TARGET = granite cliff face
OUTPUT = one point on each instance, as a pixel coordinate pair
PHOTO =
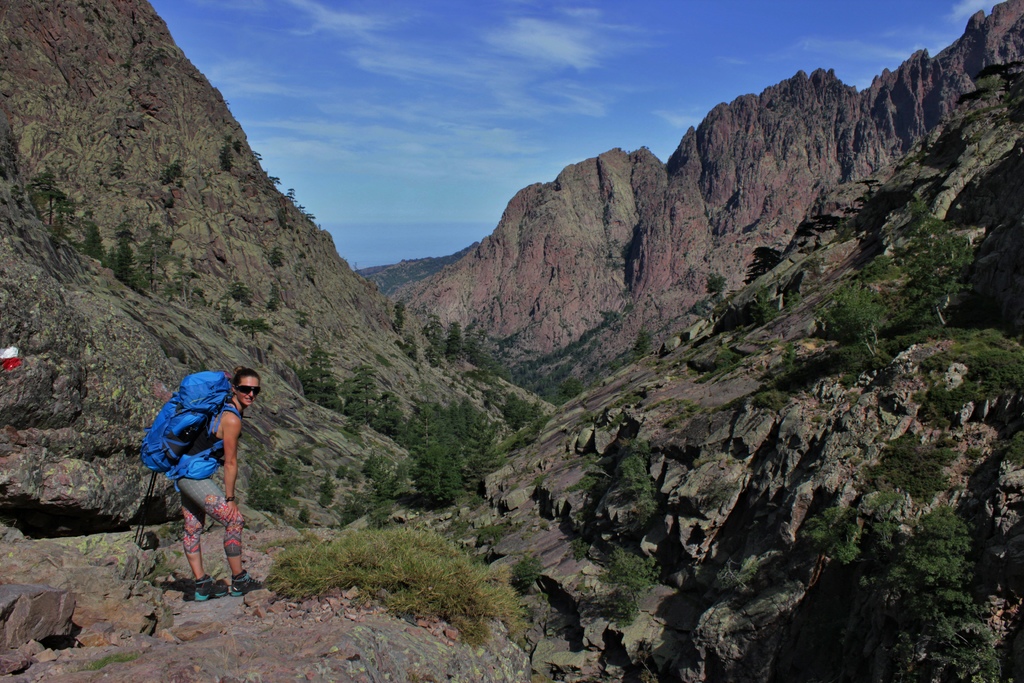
(721, 462)
(99, 95)
(623, 234)
(535, 277)
(107, 113)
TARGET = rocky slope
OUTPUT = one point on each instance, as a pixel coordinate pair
(624, 234)
(123, 628)
(759, 450)
(111, 124)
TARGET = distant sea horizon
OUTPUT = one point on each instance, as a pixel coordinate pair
(366, 245)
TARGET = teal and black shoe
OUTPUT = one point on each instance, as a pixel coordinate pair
(207, 588)
(243, 583)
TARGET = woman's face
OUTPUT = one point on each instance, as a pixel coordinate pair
(246, 391)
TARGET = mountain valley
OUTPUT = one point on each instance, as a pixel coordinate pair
(811, 469)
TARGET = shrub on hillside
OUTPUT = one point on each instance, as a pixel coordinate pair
(525, 573)
(835, 534)
(637, 485)
(1013, 453)
(918, 469)
(854, 316)
(630, 576)
(422, 573)
(931, 580)
(995, 368)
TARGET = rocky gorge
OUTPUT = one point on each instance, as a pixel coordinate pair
(819, 478)
(755, 450)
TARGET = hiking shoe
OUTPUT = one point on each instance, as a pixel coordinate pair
(243, 583)
(207, 588)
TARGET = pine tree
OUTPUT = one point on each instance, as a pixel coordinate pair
(153, 256)
(318, 383)
(240, 292)
(92, 244)
(274, 300)
(433, 331)
(765, 258)
(252, 326)
(121, 258)
(642, 345)
(183, 283)
(225, 157)
(399, 316)
(359, 393)
(45, 194)
(387, 418)
(453, 343)
(437, 475)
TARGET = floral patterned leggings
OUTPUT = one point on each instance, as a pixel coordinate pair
(200, 497)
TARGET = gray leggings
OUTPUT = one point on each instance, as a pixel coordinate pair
(200, 497)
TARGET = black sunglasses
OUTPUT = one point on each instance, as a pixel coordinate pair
(255, 391)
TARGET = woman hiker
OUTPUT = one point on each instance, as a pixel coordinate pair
(200, 497)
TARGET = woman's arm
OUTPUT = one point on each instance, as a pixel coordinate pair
(231, 428)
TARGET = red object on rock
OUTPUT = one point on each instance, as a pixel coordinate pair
(11, 363)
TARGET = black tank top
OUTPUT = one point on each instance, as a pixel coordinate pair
(208, 437)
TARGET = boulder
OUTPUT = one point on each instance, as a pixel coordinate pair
(517, 498)
(603, 438)
(14, 661)
(585, 440)
(33, 612)
(102, 571)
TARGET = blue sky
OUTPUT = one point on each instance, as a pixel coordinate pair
(406, 126)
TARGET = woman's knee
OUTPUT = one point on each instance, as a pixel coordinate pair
(193, 532)
(236, 521)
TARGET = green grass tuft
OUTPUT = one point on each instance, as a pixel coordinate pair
(422, 573)
(116, 658)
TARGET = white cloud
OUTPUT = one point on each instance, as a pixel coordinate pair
(406, 62)
(557, 43)
(325, 19)
(242, 5)
(380, 144)
(516, 88)
(964, 9)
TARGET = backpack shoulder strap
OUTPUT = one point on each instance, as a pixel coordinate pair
(229, 407)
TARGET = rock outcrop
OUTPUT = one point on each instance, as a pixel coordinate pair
(742, 465)
(624, 235)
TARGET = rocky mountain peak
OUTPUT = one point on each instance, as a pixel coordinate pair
(745, 177)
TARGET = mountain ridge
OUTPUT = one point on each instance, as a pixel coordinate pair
(395, 277)
(746, 177)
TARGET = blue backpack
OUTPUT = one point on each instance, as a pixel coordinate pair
(194, 411)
